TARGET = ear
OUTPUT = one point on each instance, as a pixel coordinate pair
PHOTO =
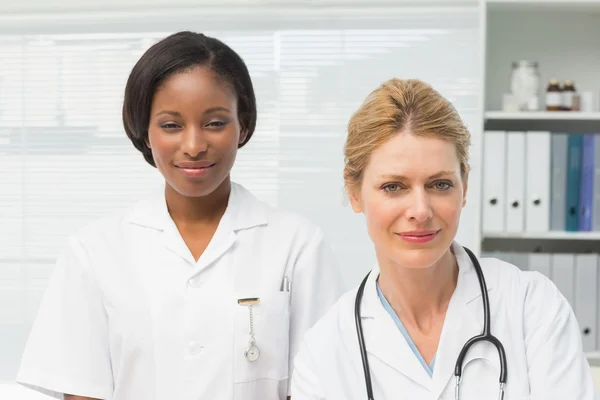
(243, 136)
(147, 141)
(355, 200)
(465, 188)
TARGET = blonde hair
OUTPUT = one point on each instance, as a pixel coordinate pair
(399, 105)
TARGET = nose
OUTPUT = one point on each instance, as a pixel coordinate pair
(193, 142)
(419, 209)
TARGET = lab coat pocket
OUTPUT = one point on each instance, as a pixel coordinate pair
(271, 321)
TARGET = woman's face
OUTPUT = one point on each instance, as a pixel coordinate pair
(194, 131)
(412, 195)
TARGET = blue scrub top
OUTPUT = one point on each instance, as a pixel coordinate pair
(390, 310)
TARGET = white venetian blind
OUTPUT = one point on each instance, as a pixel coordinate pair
(65, 160)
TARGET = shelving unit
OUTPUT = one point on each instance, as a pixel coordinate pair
(552, 235)
(526, 30)
(593, 358)
(555, 5)
(557, 121)
(542, 116)
(545, 242)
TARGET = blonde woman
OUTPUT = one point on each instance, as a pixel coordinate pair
(431, 321)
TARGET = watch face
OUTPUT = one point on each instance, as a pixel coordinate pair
(252, 353)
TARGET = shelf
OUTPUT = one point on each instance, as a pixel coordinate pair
(552, 235)
(554, 121)
(552, 242)
(593, 358)
(550, 5)
(544, 115)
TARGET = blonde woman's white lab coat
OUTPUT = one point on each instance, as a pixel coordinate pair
(130, 315)
(528, 314)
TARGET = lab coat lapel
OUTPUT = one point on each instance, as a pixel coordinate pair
(243, 211)
(384, 340)
(153, 213)
(460, 324)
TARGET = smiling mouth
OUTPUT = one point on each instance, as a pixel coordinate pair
(195, 171)
(418, 237)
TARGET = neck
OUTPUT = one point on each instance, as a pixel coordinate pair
(198, 210)
(419, 295)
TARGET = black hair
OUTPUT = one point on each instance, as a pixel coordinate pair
(176, 53)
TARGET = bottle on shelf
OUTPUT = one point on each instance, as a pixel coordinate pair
(553, 96)
(568, 94)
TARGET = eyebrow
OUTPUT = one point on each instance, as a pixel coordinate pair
(402, 177)
(178, 114)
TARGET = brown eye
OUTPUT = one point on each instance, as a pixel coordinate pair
(169, 126)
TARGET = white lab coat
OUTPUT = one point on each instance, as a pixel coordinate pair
(130, 315)
(532, 319)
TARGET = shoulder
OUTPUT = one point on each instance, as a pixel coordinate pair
(511, 279)
(285, 223)
(533, 293)
(113, 230)
(323, 337)
(110, 224)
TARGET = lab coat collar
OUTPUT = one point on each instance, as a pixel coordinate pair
(467, 283)
(243, 211)
(385, 341)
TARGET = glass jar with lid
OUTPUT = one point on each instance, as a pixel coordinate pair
(525, 84)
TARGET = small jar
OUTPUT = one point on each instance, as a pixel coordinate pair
(568, 92)
(525, 84)
(553, 96)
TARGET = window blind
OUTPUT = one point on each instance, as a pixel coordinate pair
(65, 159)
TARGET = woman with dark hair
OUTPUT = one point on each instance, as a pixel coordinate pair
(199, 292)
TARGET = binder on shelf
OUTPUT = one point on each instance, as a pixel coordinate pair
(586, 279)
(586, 184)
(563, 275)
(515, 181)
(596, 188)
(494, 181)
(541, 262)
(558, 202)
(537, 182)
(573, 178)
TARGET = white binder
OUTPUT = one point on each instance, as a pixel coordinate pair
(515, 181)
(563, 275)
(541, 262)
(586, 279)
(494, 178)
(537, 182)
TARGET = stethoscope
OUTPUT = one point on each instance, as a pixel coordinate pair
(486, 335)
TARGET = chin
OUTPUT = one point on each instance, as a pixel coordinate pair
(199, 189)
(418, 258)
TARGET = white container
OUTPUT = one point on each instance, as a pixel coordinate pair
(588, 102)
(525, 84)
